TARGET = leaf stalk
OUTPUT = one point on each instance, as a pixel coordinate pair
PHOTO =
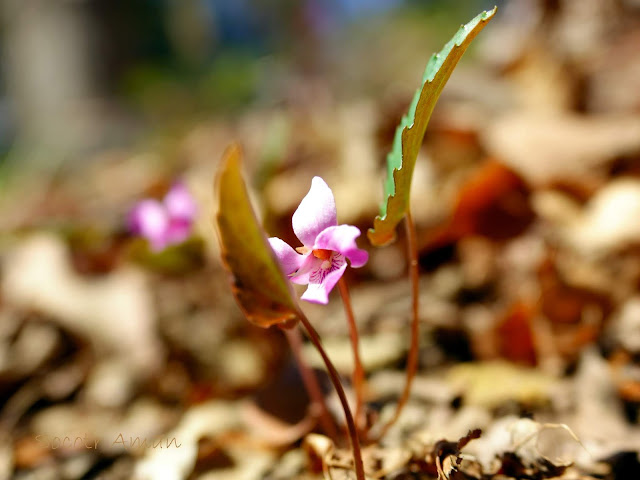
(358, 377)
(318, 405)
(335, 379)
(412, 360)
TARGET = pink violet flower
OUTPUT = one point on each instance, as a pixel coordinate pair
(167, 222)
(322, 259)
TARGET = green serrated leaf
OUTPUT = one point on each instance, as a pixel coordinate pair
(409, 134)
(260, 288)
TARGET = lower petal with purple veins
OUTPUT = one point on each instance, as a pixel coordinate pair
(323, 279)
(319, 292)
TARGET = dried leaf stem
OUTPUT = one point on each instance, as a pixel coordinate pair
(358, 371)
(335, 379)
(318, 404)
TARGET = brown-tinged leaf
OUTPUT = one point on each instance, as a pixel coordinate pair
(259, 286)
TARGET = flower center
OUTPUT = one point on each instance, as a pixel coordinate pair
(325, 256)
(322, 254)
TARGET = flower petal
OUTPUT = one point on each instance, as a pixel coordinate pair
(149, 219)
(316, 212)
(342, 238)
(178, 231)
(179, 202)
(319, 292)
(288, 258)
(309, 265)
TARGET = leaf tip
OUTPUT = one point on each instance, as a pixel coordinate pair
(230, 161)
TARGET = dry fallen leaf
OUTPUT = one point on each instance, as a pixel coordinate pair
(545, 148)
(515, 334)
(477, 382)
(114, 312)
(493, 203)
(609, 221)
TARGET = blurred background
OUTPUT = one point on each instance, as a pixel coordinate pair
(79, 76)
(526, 197)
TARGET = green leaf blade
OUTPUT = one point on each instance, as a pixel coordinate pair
(260, 288)
(410, 133)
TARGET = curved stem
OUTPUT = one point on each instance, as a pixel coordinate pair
(358, 370)
(412, 360)
(335, 379)
(310, 380)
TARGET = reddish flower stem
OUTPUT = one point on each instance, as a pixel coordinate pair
(310, 380)
(358, 371)
(335, 379)
(412, 360)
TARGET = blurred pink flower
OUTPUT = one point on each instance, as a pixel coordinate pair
(164, 223)
(321, 261)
